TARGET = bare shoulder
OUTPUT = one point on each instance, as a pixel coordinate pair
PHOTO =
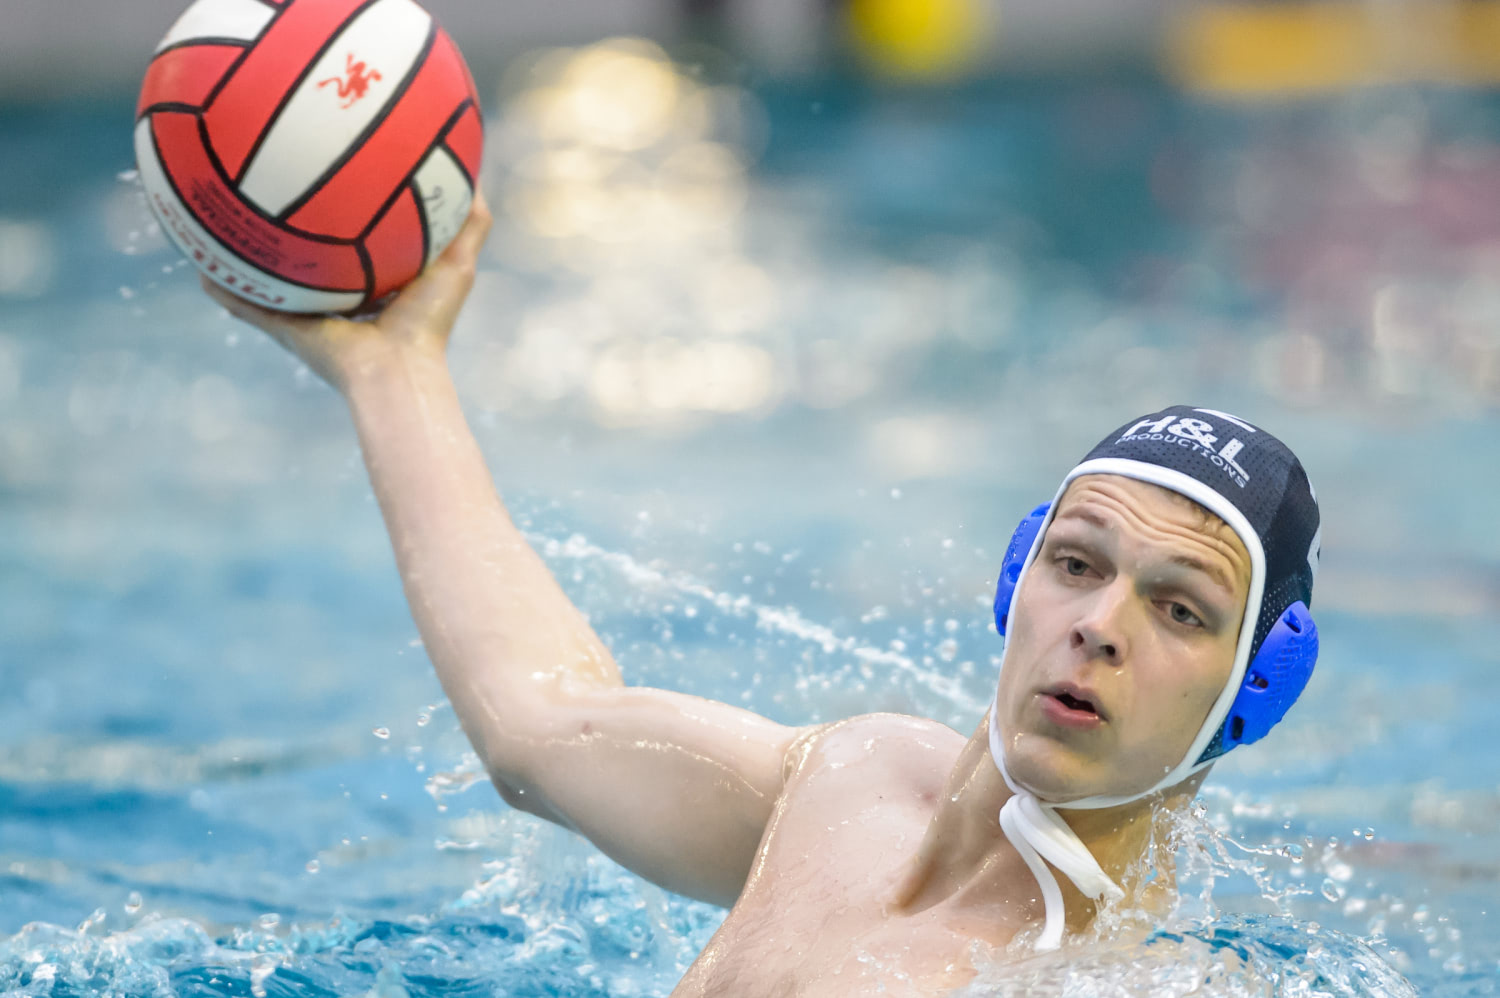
(899, 742)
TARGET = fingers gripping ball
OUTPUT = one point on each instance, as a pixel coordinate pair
(308, 155)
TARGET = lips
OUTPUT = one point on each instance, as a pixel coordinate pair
(1076, 701)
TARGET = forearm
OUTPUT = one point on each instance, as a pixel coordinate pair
(500, 632)
(677, 787)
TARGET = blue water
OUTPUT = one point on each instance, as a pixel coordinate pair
(225, 767)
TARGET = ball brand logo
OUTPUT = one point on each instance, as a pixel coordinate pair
(246, 287)
(208, 261)
(355, 82)
(1198, 435)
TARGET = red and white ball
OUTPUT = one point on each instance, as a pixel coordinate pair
(309, 155)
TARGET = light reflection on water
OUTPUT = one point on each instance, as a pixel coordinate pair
(771, 424)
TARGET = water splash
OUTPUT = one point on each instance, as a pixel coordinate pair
(1197, 949)
(784, 620)
(524, 931)
(446, 783)
(1238, 956)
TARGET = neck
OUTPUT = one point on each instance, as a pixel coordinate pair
(966, 859)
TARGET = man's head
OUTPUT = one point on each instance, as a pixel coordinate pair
(1122, 639)
(1159, 617)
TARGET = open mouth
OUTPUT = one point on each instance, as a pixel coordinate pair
(1072, 705)
(1071, 702)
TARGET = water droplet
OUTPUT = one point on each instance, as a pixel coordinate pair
(382, 733)
(127, 292)
(261, 967)
(895, 493)
(313, 866)
(97, 918)
(423, 719)
(133, 902)
(1332, 891)
(128, 176)
(269, 920)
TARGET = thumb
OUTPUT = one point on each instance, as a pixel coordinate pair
(432, 301)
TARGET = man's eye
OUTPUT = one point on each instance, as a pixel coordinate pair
(1075, 566)
(1182, 615)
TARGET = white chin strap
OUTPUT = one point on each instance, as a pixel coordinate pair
(1038, 833)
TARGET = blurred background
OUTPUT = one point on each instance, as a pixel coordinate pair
(793, 308)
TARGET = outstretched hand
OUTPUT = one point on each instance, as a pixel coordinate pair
(418, 320)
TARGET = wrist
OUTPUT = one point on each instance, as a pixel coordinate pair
(388, 368)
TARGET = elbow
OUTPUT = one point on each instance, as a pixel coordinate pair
(527, 799)
(513, 795)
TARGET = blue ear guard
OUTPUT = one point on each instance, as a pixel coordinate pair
(1275, 678)
(1015, 559)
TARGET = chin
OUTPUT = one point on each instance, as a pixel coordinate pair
(1051, 772)
(1058, 774)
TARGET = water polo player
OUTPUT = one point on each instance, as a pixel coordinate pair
(1155, 615)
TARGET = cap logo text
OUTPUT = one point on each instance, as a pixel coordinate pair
(1197, 435)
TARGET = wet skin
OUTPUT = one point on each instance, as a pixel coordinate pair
(857, 856)
(1133, 605)
(883, 864)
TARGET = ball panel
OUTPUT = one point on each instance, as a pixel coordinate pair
(321, 264)
(346, 202)
(446, 197)
(365, 72)
(186, 75)
(241, 111)
(210, 255)
(243, 20)
(465, 140)
(396, 244)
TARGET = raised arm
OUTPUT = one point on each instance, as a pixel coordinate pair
(675, 787)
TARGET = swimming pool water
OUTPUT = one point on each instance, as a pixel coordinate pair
(225, 767)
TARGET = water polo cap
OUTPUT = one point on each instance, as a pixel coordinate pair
(1252, 482)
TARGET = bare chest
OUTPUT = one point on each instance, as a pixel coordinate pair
(831, 945)
(814, 917)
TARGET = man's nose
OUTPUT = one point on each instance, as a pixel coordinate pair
(1100, 631)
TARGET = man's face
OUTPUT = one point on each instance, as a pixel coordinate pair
(1122, 636)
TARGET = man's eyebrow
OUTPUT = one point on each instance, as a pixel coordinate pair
(1214, 572)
